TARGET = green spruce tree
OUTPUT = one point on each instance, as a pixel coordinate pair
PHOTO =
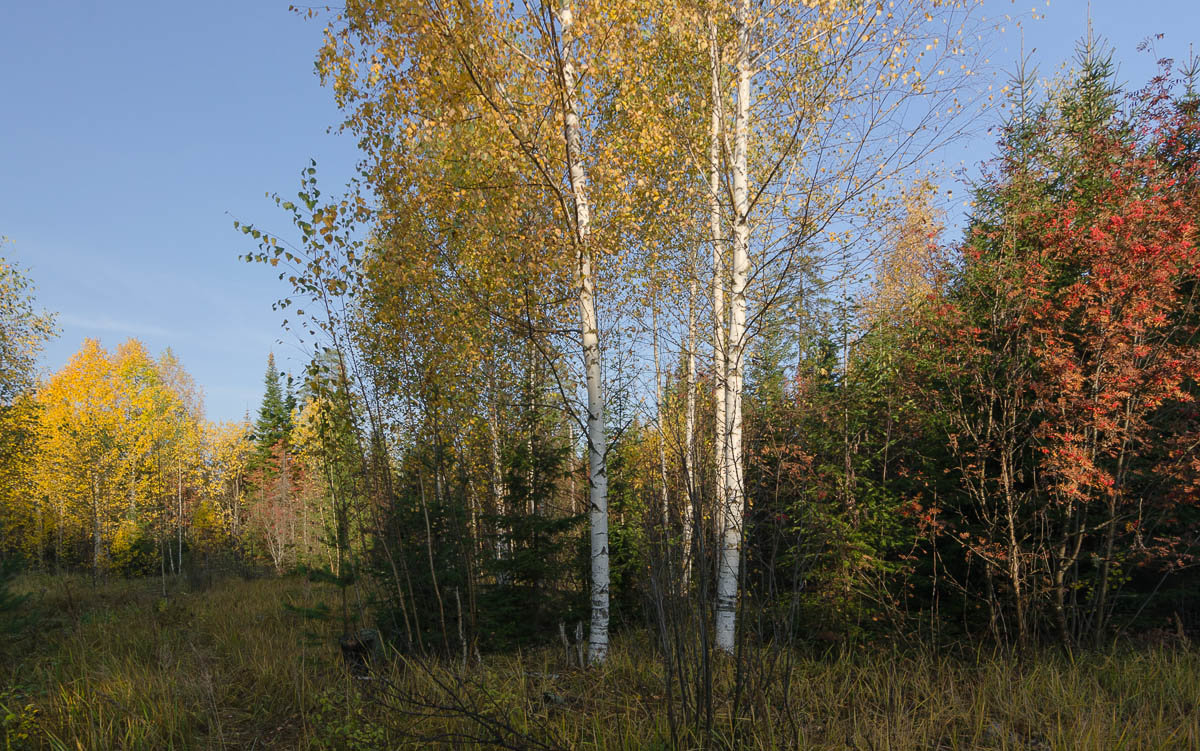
(274, 416)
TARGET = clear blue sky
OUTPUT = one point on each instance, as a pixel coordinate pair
(132, 133)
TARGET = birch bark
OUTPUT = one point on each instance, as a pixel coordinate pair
(730, 554)
(498, 490)
(689, 433)
(586, 282)
(664, 496)
(720, 362)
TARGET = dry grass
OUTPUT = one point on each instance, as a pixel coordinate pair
(119, 668)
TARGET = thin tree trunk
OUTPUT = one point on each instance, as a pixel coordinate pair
(664, 496)
(41, 536)
(1101, 613)
(727, 573)
(95, 532)
(58, 540)
(1060, 597)
(429, 550)
(848, 501)
(179, 513)
(497, 485)
(237, 509)
(597, 448)
(1106, 559)
(1015, 576)
(689, 433)
(531, 406)
(720, 360)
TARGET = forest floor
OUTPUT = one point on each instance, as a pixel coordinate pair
(229, 667)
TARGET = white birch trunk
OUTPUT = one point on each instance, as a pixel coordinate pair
(689, 432)
(720, 362)
(727, 570)
(497, 485)
(664, 497)
(596, 442)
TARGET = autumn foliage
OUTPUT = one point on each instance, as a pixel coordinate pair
(997, 437)
(1065, 358)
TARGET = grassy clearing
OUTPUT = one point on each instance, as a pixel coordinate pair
(120, 668)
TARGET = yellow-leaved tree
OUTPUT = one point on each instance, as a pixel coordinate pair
(120, 452)
(230, 450)
(23, 331)
(80, 451)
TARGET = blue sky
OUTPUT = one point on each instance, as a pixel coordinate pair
(133, 133)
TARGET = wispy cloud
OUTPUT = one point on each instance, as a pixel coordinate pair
(112, 325)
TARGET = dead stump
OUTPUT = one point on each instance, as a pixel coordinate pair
(360, 650)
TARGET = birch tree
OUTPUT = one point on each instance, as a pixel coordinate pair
(456, 100)
(572, 136)
(835, 105)
(720, 363)
(590, 340)
(734, 492)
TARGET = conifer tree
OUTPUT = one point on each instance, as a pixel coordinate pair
(274, 416)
